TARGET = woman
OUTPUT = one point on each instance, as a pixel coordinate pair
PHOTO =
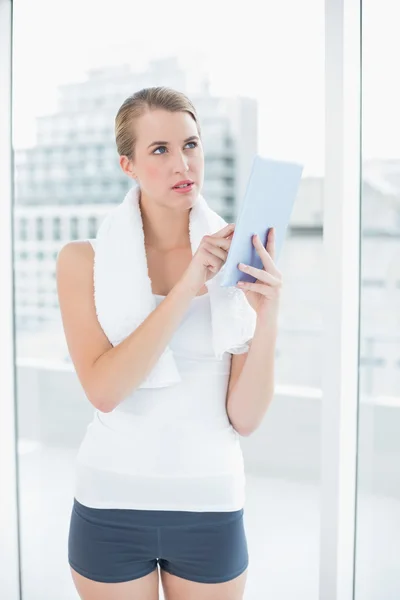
(160, 472)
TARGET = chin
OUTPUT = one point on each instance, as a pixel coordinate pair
(187, 200)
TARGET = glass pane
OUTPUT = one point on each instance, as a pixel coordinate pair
(257, 80)
(378, 520)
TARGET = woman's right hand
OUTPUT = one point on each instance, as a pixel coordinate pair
(209, 258)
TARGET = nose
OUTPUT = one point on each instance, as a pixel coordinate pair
(181, 163)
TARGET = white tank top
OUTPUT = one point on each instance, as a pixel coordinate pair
(169, 448)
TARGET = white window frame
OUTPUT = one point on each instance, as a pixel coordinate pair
(342, 206)
(10, 584)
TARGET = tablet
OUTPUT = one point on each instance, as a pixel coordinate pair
(270, 194)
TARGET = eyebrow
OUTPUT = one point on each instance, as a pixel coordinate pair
(189, 139)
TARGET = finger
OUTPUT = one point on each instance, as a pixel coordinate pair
(261, 288)
(227, 230)
(260, 274)
(215, 263)
(216, 250)
(222, 242)
(271, 242)
(266, 258)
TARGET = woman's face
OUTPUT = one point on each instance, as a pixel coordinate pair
(168, 151)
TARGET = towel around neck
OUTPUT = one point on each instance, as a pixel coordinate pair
(123, 290)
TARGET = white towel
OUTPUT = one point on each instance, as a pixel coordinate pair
(123, 291)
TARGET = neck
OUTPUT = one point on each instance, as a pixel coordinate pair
(164, 228)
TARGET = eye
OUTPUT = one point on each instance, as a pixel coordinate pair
(159, 148)
(194, 145)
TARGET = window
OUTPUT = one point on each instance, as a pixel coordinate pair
(39, 228)
(378, 491)
(275, 107)
(57, 228)
(92, 227)
(23, 228)
(74, 228)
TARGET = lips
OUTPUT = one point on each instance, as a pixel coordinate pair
(183, 184)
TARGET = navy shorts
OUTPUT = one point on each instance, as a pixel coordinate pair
(115, 545)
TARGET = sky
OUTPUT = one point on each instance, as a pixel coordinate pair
(272, 51)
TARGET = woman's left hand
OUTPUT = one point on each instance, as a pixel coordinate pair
(263, 295)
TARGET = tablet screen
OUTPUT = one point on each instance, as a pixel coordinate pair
(270, 194)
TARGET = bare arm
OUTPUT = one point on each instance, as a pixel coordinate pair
(251, 385)
(107, 373)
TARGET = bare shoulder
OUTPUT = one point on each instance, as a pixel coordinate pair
(74, 275)
(79, 250)
(75, 262)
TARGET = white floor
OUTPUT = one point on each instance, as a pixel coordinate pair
(282, 525)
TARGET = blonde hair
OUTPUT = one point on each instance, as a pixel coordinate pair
(137, 104)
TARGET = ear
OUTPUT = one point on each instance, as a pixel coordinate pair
(127, 167)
